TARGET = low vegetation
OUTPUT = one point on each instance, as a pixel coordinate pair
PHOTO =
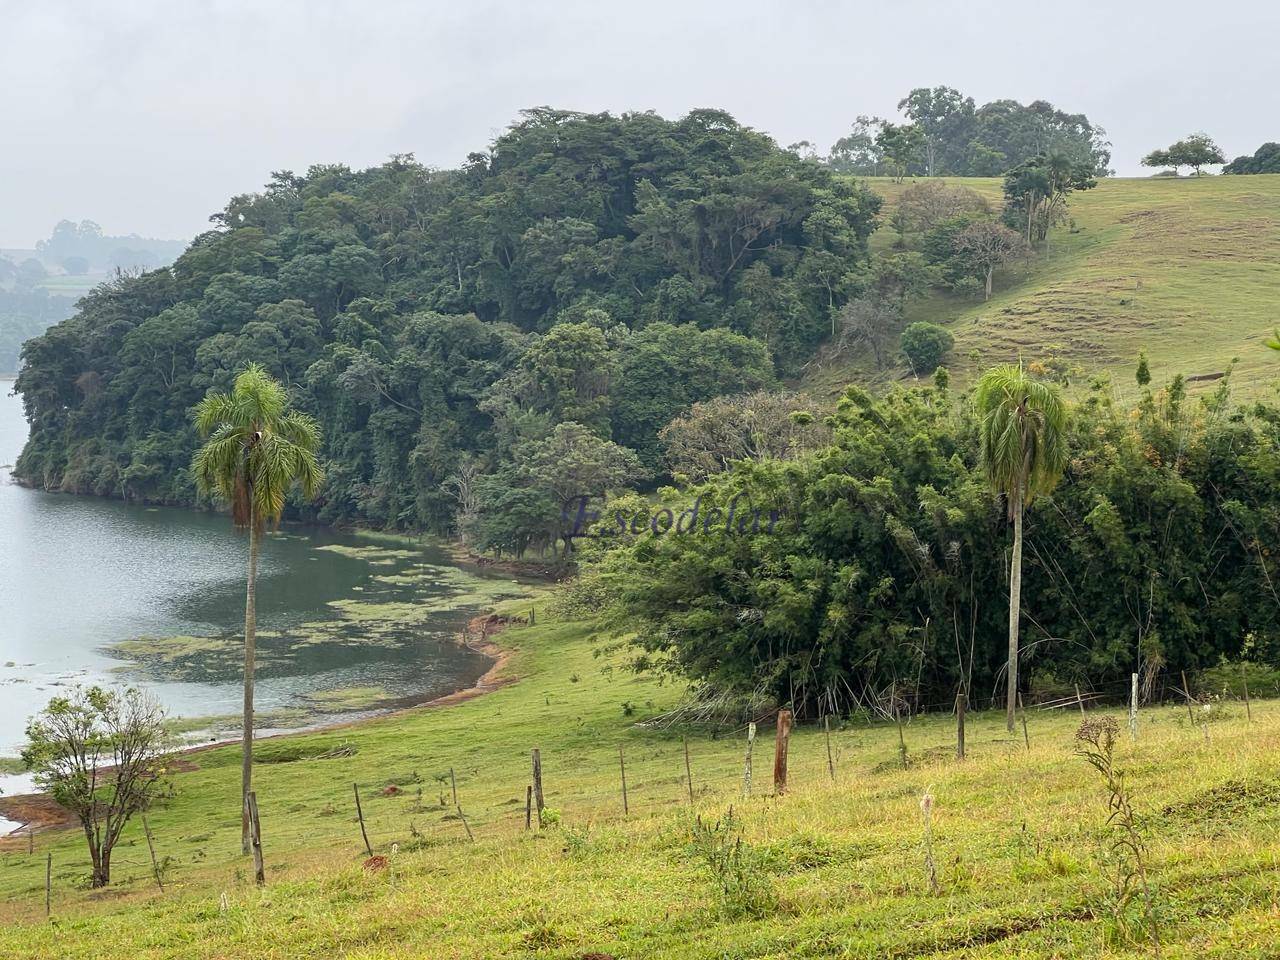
(836, 867)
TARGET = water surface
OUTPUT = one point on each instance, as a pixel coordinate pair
(95, 591)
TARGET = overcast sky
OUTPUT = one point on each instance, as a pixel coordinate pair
(146, 116)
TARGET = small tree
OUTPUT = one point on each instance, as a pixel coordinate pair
(987, 245)
(1195, 151)
(99, 753)
(900, 144)
(925, 345)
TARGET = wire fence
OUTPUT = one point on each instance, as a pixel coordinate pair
(651, 771)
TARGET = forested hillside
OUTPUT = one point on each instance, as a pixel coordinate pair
(455, 332)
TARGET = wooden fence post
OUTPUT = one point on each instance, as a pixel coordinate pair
(528, 806)
(1079, 700)
(746, 766)
(360, 816)
(255, 840)
(960, 706)
(453, 783)
(48, 883)
(688, 772)
(1244, 678)
(155, 865)
(831, 763)
(1133, 706)
(1186, 693)
(31, 839)
(537, 783)
(781, 741)
(897, 718)
(622, 766)
(1023, 710)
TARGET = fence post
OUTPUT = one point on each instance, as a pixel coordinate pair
(622, 766)
(528, 806)
(453, 783)
(155, 866)
(960, 705)
(465, 825)
(897, 718)
(780, 744)
(1023, 710)
(1133, 706)
(1244, 678)
(48, 883)
(1079, 700)
(746, 767)
(688, 773)
(1186, 693)
(360, 816)
(831, 763)
(537, 783)
(255, 839)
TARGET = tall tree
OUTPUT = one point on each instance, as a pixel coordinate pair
(256, 451)
(1024, 453)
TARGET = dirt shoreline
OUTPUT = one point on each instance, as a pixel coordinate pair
(38, 812)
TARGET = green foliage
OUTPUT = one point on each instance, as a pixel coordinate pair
(256, 449)
(886, 543)
(1023, 434)
(602, 270)
(926, 345)
(1195, 151)
(1266, 159)
(953, 136)
(100, 754)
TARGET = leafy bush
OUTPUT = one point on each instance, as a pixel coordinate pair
(926, 345)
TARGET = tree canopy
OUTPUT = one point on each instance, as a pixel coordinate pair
(607, 271)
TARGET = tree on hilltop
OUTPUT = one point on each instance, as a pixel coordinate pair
(1195, 151)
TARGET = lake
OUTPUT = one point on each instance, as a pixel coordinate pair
(100, 591)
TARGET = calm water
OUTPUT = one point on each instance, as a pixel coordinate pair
(79, 575)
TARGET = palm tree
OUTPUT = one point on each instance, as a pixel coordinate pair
(256, 450)
(1024, 453)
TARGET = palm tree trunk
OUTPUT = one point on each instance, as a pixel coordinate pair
(250, 650)
(1015, 611)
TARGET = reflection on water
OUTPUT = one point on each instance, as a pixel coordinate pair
(346, 624)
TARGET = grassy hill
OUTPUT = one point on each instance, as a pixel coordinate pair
(835, 868)
(1183, 268)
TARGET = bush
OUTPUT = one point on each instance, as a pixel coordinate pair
(926, 344)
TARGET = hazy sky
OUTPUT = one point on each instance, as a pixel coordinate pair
(147, 116)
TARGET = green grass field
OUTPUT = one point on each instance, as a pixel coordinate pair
(835, 868)
(1183, 268)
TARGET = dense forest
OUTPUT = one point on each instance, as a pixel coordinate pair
(889, 566)
(589, 277)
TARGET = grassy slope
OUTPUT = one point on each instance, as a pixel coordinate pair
(1183, 268)
(1014, 840)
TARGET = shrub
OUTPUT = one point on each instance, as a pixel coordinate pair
(926, 345)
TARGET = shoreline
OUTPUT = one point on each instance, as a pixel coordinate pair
(38, 812)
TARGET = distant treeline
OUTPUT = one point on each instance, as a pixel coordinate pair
(948, 134)
(82, 247)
